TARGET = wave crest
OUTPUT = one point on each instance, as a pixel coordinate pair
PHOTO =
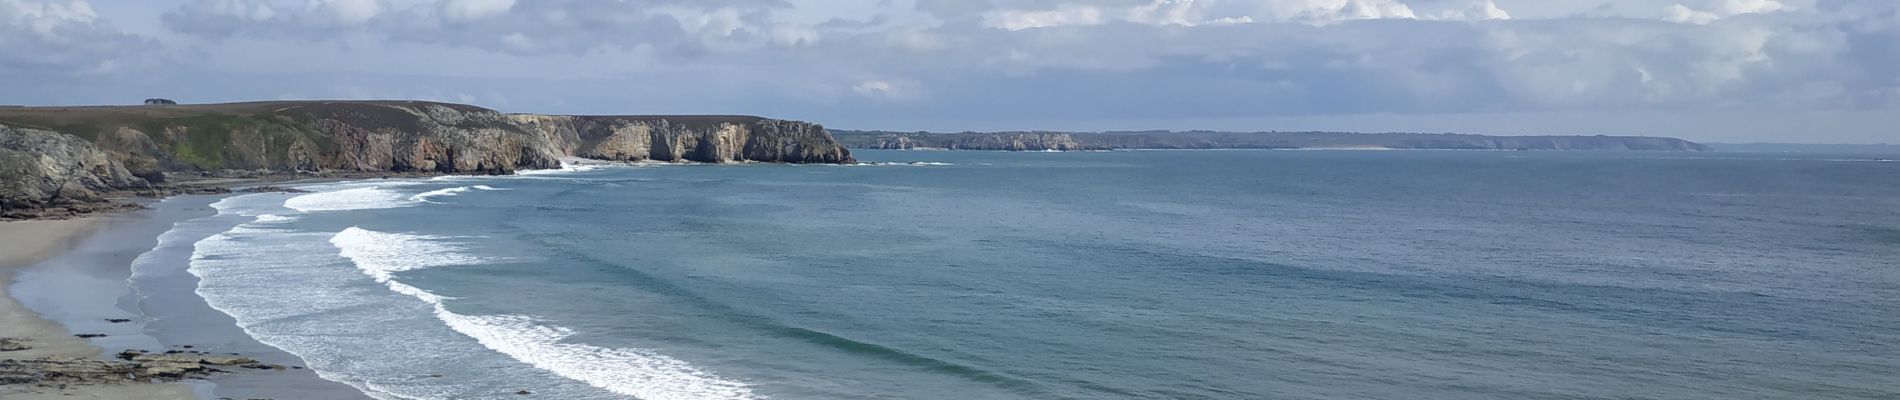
(641, 373)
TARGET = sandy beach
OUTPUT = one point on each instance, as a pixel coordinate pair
(125, 278)
(29, 242)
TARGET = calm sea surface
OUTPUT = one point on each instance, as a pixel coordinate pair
(1122, 275)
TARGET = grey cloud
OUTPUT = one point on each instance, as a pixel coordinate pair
(64, 39)
(519, 27)
(944, 62)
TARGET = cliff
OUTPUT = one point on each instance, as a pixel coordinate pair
(715, 139)
(41, 168)
(1040, 141)
(48, 152)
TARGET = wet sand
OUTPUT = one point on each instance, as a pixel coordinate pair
(126, 277)
(24, 243)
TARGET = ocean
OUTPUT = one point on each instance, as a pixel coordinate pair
(1101, 275)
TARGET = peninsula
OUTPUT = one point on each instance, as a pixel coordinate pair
(69, 158)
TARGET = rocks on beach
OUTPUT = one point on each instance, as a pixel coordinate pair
(132, 366)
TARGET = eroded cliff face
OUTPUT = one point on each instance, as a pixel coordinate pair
(39, 168)
(426, 137)
(101, 148)
(714, 139)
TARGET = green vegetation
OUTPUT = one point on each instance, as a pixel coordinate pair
(210, 141)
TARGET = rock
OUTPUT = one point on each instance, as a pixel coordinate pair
(273, 189)
(715, 139)
(13, 345)
(103, 149)
(41, 168)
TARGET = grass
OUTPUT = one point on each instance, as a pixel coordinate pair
(209, 138)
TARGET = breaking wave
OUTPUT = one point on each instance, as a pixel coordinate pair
(634, 372)
(363, 198)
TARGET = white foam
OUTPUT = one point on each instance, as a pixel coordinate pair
(901, 164)
(426, 197)
(566, 167)
(362, 198)
(641, 373)
(274, 219)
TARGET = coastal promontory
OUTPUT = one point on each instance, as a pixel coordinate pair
(52, 156)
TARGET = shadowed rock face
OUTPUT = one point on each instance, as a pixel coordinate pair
(75, 152)
(38, 168)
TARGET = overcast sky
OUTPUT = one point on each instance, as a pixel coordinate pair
(1710, 70)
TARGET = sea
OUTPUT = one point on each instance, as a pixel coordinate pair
(1088, 275)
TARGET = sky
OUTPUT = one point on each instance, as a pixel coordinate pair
(1800, 71)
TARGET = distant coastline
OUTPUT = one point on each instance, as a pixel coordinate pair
(1209, 140)
(1808, 148)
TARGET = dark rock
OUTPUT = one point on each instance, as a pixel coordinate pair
(40, 169)
(47, 174)
(273, 189)
(12, 345)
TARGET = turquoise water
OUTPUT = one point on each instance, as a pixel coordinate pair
(1121, 275)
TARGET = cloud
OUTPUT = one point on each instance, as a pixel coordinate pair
(1720, 9)
(1014, 60)
(63, 39)
(537, 27)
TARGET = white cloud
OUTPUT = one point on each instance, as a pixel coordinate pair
(1003, 59)
(889, 90)
(466, 10)
(1719, 9)
(63, 38)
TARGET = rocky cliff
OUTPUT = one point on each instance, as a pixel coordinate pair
(714, 139)
(1041, 141)
(42, 168)
(49, 151)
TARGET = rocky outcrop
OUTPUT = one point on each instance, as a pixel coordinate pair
(39, 168)
(73, 153)
(133, 366)
(715, 139)
(430, 137)
(1042, 141)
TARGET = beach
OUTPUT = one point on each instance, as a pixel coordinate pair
(27, 243)
(123, 280)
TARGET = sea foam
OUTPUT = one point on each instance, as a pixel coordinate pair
(634, 372)
(427, 197)
(362, 198)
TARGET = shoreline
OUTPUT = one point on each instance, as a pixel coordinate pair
(28, 243)
(124, 276)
